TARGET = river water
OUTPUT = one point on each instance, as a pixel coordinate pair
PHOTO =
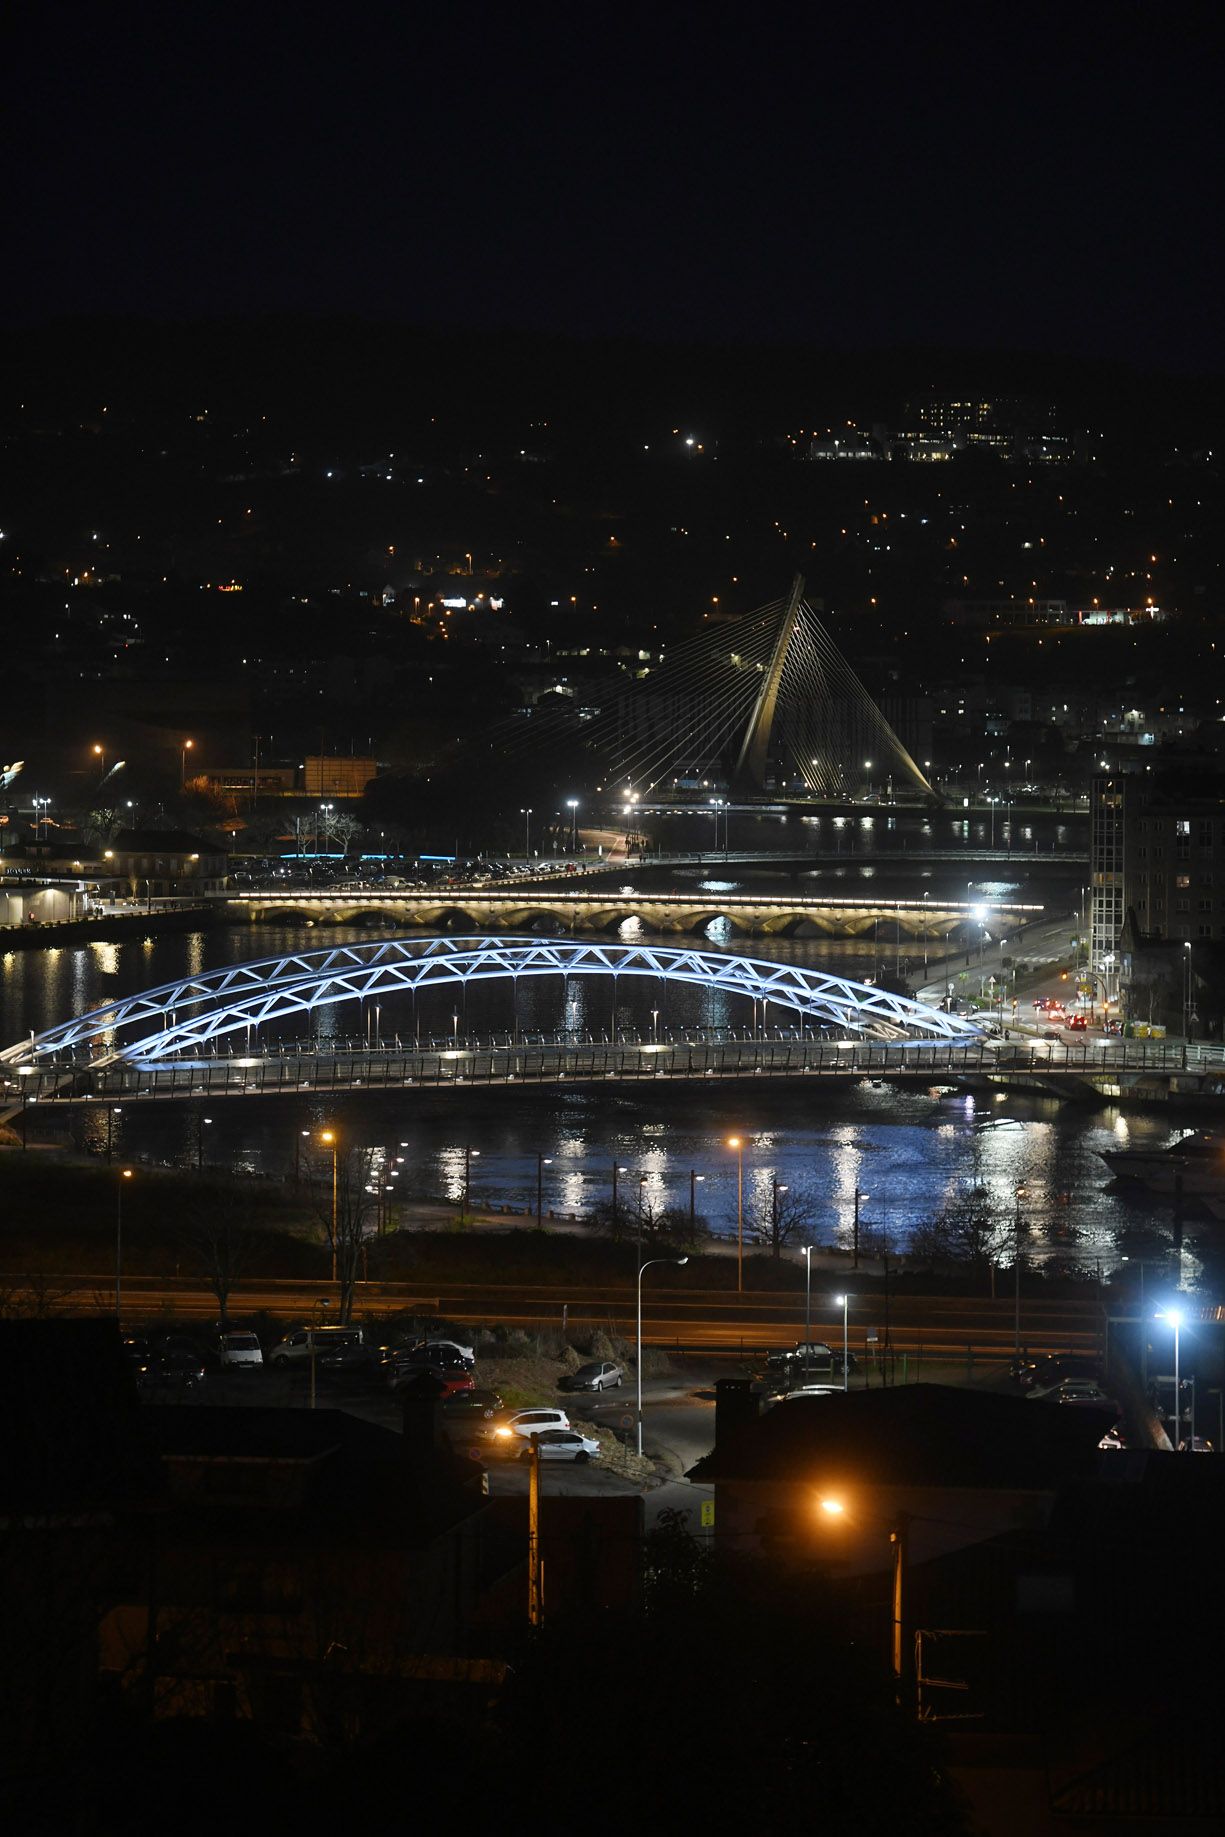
(912, 1152)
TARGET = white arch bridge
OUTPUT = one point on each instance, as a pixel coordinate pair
(199, 1014)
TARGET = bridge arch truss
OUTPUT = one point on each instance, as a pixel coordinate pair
(189, 1016)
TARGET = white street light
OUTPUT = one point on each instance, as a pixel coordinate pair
(1174, 1317)
(844, 1302)
(677, 1263)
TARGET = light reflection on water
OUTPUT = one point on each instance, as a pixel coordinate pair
(914, 1152)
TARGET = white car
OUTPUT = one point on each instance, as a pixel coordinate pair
(562, 1445)
(522, 1425)
(466, 1353)
(239, 1351)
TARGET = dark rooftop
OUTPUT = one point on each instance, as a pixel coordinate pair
(915, 1435)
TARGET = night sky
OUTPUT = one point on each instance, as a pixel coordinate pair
(1033, 179)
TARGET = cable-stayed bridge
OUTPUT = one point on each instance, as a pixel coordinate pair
(763, 702)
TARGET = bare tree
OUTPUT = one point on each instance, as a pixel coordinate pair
(343, 1200)
(777, 1217)
(219, 1237)
(973, 1233)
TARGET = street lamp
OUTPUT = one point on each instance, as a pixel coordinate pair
(677, 1263)
(469, 1155)
(808, 1250)
(1174, 1317)
(526, 814)
(694, 1177)
(542, 1161)
(328, 1138)
(100, 756)
(835, 1509)
(205, 1123)
(737, 1142)
(1021, 1193)
(572, 807)
(867, 766)
(855, 1227)
(1186, 989)
(776, 1187)
(125, 1175)
(844, 1302)
(183, 752)
(615, 1171)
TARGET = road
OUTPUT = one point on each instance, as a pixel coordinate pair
(713, 1320)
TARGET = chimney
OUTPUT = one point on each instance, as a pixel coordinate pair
(735, 1404)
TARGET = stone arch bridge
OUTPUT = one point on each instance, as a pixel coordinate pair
(463, 909)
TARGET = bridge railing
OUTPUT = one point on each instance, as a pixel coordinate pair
(371, 1069)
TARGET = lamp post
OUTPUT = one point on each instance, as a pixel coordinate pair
(205, 1123)
(328, 1138)
(844, 1302)
(1186, 989)
(737, 1142)
(100, 756)
(112, 1111)
(694, 1177)
(183, 752)
(677, 1263)
(125, 1175)
(776, 1187)
(642, 1181)
(855, 1239)
(1020, 1194)
(615, 1171)
(899, 1537)
(542, 1161)
(526, 814)
(808, 1249)
(1174, 1317)
(572, 807)
(303, 1135)
(469, 1154)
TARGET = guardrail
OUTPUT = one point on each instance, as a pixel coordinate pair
(290, 1071)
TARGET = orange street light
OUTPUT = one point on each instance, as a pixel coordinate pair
(737, 1142)
(328, 1137)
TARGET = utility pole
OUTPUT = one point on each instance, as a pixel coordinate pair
(899, 1538)
(535, 1567)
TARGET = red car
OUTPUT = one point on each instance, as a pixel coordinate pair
(1078, 1023)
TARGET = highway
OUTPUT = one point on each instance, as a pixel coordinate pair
(711, 1320)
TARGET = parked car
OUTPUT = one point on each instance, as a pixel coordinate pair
(1113, 1438)
(441, 1347)
(137, 1352)
(472, 1402)
(239, 1351)
(398, 1374)
(334, 1348)
(1079, 1390)
(171, 1371)
(562, 1445)
(804, 1390)
(1078, 1023)
(1047, 1372)
(521, 1425)
(598, 1375)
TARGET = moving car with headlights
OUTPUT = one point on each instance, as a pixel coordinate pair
(521, 1425)
(562, 1445)
(599, 1375)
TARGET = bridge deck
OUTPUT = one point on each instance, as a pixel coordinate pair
(294, 1070)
